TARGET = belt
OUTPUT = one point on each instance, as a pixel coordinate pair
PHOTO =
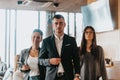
(60, 74)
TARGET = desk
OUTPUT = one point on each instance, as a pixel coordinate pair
(114, 71)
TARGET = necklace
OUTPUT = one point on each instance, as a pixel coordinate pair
(34, 50)
(34, 53)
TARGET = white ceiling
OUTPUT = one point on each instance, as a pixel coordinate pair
(64, 5)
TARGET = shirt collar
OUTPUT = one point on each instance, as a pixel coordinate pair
(61, 37)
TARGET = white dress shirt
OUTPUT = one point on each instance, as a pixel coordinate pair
(58, 42)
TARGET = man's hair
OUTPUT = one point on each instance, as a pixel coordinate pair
(58, 16)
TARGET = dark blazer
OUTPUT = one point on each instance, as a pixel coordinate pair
(98, 66)
(69, 57)
(23, 60)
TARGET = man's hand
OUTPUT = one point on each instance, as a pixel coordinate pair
(77, 77)
(55, 61)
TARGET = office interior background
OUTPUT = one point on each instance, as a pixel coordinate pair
(17, 26)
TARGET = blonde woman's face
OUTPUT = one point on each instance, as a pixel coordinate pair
(36, 38)
(89, 34)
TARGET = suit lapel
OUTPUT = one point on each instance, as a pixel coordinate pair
(27, 55)
(53, 44)
(64, 43)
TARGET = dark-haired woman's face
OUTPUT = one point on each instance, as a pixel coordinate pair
(89, 34)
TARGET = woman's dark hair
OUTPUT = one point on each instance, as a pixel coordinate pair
(84, 43)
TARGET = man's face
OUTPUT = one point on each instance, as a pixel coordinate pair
(58, 26)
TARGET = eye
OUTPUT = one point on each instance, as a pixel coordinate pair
(59, 23)
(56, 23)
(33, 36)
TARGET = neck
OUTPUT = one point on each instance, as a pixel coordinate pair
(34, 48)
(59, 35)
(89, 43)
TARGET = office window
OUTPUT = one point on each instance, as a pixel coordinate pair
(79, 27)
(72, 24)
(26, 22)
(11, 37)
(16, 30)
(43, 22)
(2, 32)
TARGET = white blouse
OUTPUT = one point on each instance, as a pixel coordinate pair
(33, 64)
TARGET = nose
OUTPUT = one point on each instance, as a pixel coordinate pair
(35, 38)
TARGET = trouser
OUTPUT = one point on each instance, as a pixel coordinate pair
(60, 77)
(34, 77)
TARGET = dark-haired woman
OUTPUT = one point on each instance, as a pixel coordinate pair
(92, 57)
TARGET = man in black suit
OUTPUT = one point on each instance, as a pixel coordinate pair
(59, 53)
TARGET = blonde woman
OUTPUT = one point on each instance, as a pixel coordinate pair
(29, 58)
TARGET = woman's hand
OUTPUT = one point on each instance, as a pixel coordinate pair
(25, 67)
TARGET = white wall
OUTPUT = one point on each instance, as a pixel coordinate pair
(110, 41)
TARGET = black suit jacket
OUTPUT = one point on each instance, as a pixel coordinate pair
(69, 57)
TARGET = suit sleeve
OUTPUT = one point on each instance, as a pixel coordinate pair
(21, 59)
(43, 58)
(76, 60)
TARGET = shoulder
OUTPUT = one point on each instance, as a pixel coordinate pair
(48, 38)
(24, 51)
(99, 47)
(69, 37)
(100, 50)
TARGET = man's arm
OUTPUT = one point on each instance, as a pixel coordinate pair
(76, 61)
(76, 58)
(43, 57)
